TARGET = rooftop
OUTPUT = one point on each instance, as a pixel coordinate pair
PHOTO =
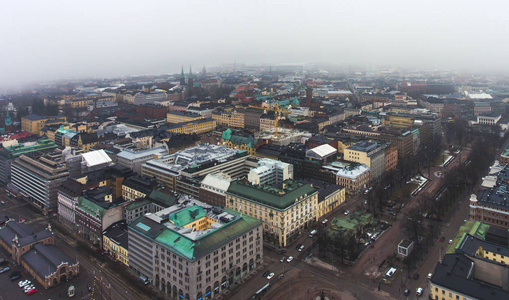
(292, 192)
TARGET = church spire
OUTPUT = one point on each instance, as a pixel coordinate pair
(182, 73)
(190, 73)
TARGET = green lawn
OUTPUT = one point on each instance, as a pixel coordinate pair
(404, 191)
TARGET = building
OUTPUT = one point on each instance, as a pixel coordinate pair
(323, 153)
(252, 118)
(270, 172)
(133, 159)
(8, 154)
(491, 207)
(285, 212)
(115, 241)
(175, 117)
(198, 126)
(330, 195)
(194, 250)
(195, 163)
(137, 187)
(239, 140)
(68, 194)
(95, 211)
(153, 111)
(405, 247)
(368, 153)
(233, 118)
(156, 201)
(38, 178)
(504, 158)
(38, 255)
(213, 189)
(34, 123)
(354, 177)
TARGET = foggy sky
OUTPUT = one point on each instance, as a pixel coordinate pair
(46, 40)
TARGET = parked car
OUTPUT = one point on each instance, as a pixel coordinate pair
(266, 273)
(419, 292)
(4, 270)
(270, 276)
(298, 246)
(406, 292)
(282, 251)
(22, 283)
(32, 292)
(430, 275)
(450, 241)
(282, 259)
(15, 277)
(28, 288)
(289, 259)
(325, 221)
(301, 248)
(281, 276)
(442, 239)
(312, 233)
(346, 212)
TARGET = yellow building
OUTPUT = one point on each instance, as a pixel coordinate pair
(175, 117)
(398, 121)
(368, 153)
(330, 196)
(34, 123)
(198, 126)
(115, 241)
(285, 212)
(80, 103)
(239, 142)
(234, 118)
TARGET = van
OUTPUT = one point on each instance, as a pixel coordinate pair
(144, 279)
(312, 233)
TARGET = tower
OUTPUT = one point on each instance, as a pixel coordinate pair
(204, 72)
(309, 96)
(182, 77)
(190, 81)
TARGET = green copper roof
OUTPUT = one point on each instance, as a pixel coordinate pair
(194, 249)
(271, 196)
(182, 73)
(90, 207)
(187, 215)
(19, 149)
(190, 73)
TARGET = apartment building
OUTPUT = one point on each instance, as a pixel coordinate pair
(213, 189)
(198, 126)
(193, 250)
(491, 207)
(234, 118)
(115, 242)
(368, 153)
(285, 212)
(270, 172)
(34, 123)
(354, 177)
(39, 177)
(137, 187)
(175, 117)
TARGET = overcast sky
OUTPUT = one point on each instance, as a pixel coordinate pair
(46, 40)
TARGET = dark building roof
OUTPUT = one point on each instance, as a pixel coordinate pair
(140, 183)
(45, 259)
(324, 188)
(118, 233)
(270, 150)
(24, 233)
(71, 188)
(455, 272)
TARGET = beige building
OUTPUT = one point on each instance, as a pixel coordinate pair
(285, 212)
(176, 116)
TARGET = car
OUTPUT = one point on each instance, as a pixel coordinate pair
(406, 292)
(3, 202)
(33, 291)
(325, 221)
(416, 276)
(22, 283)
(430, 275)
(270, 276)
(281, 276)
(28, 288)
(15, 277)
(301, 248)
(282, 251)
(282, 259)
(298, 246)
(450, 241)
(266, 273)
(5, 270)
(419, 292)
(289, 259)
(442, 239)
(346, 212)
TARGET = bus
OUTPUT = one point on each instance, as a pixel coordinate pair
(261, 291)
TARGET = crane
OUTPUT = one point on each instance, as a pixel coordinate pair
(278, 111)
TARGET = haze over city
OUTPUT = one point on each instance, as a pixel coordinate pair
(60, 39)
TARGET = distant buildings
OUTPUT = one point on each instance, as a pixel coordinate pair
(34, 123)
(193, 250)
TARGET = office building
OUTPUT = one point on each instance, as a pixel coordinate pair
(133, 159)
(368, 153)
(175, 117)
(285, 212)
(8, 154)
(213, 189)
(198, 126)
(38, 178)
(270, 172)
(354, 177)
(193, 250)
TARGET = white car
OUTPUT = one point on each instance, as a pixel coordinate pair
(325, 221)
(270, 276)
(22, 283)
(430, 275)
(28, 287)
(346, 212)
(289, 259)
(301, 248)
(419, 292)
